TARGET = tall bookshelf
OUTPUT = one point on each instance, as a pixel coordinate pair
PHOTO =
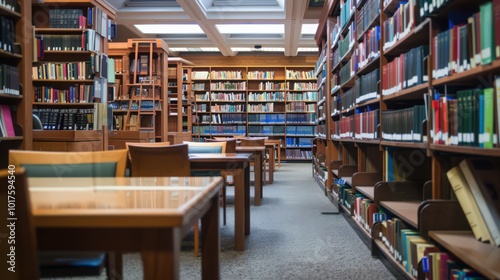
(139, 95)
(257, 101)
(399, 106)
(70, 74)
(180, 100)
(15, 83)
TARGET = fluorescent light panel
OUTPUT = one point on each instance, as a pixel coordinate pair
(309, 28)
(240, 49)
(169, 28)
(251, 28)
(307, 49)
(202, 49)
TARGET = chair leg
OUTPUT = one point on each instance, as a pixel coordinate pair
(196, 239)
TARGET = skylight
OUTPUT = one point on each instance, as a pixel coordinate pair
(169, 28)
(251, 28)
(202, 49)
(309, 28)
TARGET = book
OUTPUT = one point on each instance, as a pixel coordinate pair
(481, 176)
(468, 204)
(7, 121)
(487, 33)
(497, 105)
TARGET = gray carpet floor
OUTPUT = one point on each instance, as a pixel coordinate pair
(290, 238)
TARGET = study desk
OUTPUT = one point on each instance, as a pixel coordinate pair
(239, 165)
(258, 152)
(278, 149)
(148, 214)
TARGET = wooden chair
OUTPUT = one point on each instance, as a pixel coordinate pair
(73, 164)
(206, 147)
(26, 266)
(230, 148)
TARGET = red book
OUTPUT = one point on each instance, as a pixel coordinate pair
(437, 129)
(7, 121)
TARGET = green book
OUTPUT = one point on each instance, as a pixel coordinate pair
(487, 33)
(488, 118)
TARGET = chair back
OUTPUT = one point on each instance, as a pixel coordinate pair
(230, 144)
(26, 265)
(70, 164)
(206, 147)
(156, 160)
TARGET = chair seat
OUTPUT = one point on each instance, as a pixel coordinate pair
(70, 264)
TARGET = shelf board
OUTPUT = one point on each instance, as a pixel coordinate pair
(349, 83)
(391, 7)
(418, 36)
(466, 77)
(301, 90)
(59, 30)
(45, 52)
(304, 79)
(410, 145)
(482, 257)
(348, 23)
(61, 81)
(263, 101)
(64, 104)
(367, 191)
(370, 66)
(6, 54)
(10, 13)
(368, 102)
(297, 147)
(476, 151)
(11, 96)
(406, 210)
(229, 90)
(360, 141)
(347, 55)
(373, 23)
(413, 93)
(266, 90)
(12, 138)
(237, 101)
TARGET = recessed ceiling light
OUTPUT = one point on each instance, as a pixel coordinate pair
(307, 49)
(202, 49)
(251, 28)
(169, 28)
(309, 28)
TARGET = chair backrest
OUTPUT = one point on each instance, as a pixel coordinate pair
(148, 144)
(230, 144)
(155, 160)
(206, 147)
(252, 142)
(26, 265)
(71, 164)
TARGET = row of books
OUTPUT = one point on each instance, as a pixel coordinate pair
(225, 118)
(366, 86)
(298, 154)
(78, 93)
(298, 142)
(471, 40)
(266, 129)
(11, 5)
(346, 44)
(302, 96)
(401, 23)
(87, 41)
(82, 70)
(347, 9)
(368, 49)
(220, 129)
(404, 124)
(141, 65)
(368, 13)
(66, 119)
(9, 79)
(6, 123)
(300, 107)
(257, 108)
(466, 117)
(227, 96)
(348, 70)
(67, 18)
(406, 70)
(299, 130)
(346, 100)
(266, 96)
(358, 126)
(228, 85)
(229, 108)
(294, 74)
(260, 75)
(226, 75)
(198, 86)
(8, 36)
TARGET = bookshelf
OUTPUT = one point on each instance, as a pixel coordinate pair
(70, 73)
(139, 95)
(395, 115)
(180, 100)
(257, 101)
(15, 83)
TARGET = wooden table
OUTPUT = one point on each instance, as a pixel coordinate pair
(149, 215)
(239, 165)
(270, 150)
(258, 153)
(278, 149)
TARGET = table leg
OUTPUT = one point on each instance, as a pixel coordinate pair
(160, 254)
(239, 210)
(271, 165)
(210, 242)
(114, 265)
(247, 198)
(258, 179)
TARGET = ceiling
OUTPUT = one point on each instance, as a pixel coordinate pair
(209, 15)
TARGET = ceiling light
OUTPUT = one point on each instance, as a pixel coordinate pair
(202, 49)
(178, 49)
(309, 28)
(307, 49)
(243, 49)
(251, 28)
(209, 49)
(169, 28)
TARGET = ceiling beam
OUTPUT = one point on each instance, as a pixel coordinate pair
(196, 13)
(295, 11)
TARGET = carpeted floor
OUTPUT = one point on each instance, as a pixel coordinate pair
(290, 238)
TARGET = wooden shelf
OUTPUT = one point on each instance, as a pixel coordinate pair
(5, 54)
(367, 191)
(409, 145)
(406, 210)
(373, 23)
(59, 30)
(348, 23)
(13, 138)
(482, 257)
(61, 81)
(470, 76)
(387, 254)
(467, 150)
(349, 83)
(370, 66)
(368, 102)
(10, 13)
(413, 93)
(64, 104)
(418, 36)
(10, 96)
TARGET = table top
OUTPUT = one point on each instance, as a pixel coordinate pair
(250, 148)
(221, 157)
(120, 201)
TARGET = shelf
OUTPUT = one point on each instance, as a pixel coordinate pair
(366, 191)
(10, 13)
(475, 151)
(5, 54)
(45, 52)
(260, 101)
(409, 145)
(373, 23)
(348, 23)
(11, 96)
(368, 102)
(296, 147)
(469, 77)
(406, 210)
(385, 251)
(349, 83)
(413, 93)
(482, 257)
(13, 138)
(61, 81)
(267, 90)
(391, 7)
(418, 36)
(64, 104)
(360, 141)
(370, 66)
(59, 30)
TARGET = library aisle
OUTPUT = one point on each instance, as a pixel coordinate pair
(290, 238)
